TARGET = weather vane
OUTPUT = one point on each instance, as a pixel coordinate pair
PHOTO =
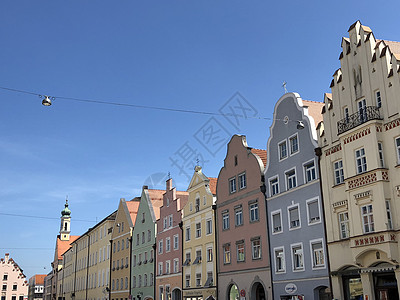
(284, 86)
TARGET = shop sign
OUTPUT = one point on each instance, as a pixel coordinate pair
(290, 288)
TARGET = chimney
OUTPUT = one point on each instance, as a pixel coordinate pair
(6, 257)
(145, 187)
(169, 184)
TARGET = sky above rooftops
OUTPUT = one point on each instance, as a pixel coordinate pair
(190, 55)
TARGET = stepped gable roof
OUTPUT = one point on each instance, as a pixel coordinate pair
(39, 278)
(314, 110)
(394, 48)
(133, 206)
(262, 154)
(63, 246)
(213, 185)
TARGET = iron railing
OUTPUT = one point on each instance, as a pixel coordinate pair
(358, 118)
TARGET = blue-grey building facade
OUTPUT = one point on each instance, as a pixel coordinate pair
(294, 206)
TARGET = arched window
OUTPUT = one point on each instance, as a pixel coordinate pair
(118, 246)
(113, 285)
(65, 226)
(117, 287)
(122, 283)
(233, 292)
(126, 283)
(122, 244)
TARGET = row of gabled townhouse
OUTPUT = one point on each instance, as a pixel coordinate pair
(313, 217)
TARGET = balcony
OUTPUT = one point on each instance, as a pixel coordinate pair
(358, 118)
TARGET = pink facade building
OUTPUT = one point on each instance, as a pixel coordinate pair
(243, 252)
(13, 281)
(169, 247)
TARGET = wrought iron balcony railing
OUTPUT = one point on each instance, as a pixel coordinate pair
(358, 118)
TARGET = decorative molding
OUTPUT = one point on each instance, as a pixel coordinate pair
(378, 128)
(362, 180)
(367, 195)
(333, 149)
(357, 135)
(340, 204)
(392, 124)
(374, 239)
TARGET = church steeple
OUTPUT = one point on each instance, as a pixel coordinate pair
(65, 228)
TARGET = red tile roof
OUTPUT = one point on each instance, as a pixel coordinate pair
(39, 278)
(314, 110)
(133, 207)
(213, 185)
(156, 198)
(261, 154)
(63, 246)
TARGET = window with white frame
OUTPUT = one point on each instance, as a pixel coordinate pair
(170, 221)
(165, 222)
(187, 280)
(291, 181)
(225, 220)
(280, 266)
(176, 241)
(378, 99)
(339, 175)
(310, 172)
(209, 254)
(297, 257)
(187, 233)
(380, 155)
(167, 244)
(176, 265)
(227, 253)
(282, 150)
(161, 289)
(148, 235)
(239, 216)
(294, 217)
(160, 246)
(240, 251)
(346, 113)
(254, 214)
(198, 230)
(242, 181)
(361, 161)
(197, 204)
(313, 211)
(389, 224)
(294, 144)
(167, 267)
(317, 252)
(209, 226)
(256, 248)
(367, 218)
(232, 185)
(160, 268)
(274, 186)
(276, 221)
(198, 279)
(344, 224)
(398, 149)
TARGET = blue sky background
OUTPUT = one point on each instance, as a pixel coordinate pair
(192, 55)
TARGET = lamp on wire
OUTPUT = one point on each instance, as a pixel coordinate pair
(46, 100)
(300, 125)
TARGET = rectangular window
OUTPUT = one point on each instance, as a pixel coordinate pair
(170, 221)
(388, 215)
(398, 149)
(339, 176)
(198, 230)
(291, 179)
(294, 144)
(280, 266)
(197, 204)
(282, 150)
(176, 242)
(254, 216)
(227, 253)
(256, 248)
(276, 222)
(361, 161)
(318, 257)
(176, 265)
(198, 257)
(310, 171)
(225, 221)
(346, 114)
(187, 280)
(367, 218)
(160, 246)
(297, 257)
(344, 225)
(313, 211)
(137, 240)
(378, 99)
(198, 279)
(14, 287)
(167, 244)
(4, 287)
(148, 236)
(167, 267)
(238, 216)
(380, 154)
(242, 181)
(5, 276)
(187, 235)
(209, 255)
(165, 222)
(160, 268)
(274, 186)
(294, 217)
(232, 185)
(209, 226)
(240, 251)
(161, 288)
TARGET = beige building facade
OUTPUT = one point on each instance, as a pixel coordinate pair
(360, 158)
(199, 246)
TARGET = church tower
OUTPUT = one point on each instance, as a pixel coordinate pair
(65, 228)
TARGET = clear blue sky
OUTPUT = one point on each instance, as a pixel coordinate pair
(192, 55)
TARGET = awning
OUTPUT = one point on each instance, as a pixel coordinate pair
(385, 268)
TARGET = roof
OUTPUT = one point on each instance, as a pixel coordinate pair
(133, 207)
(39, 278)
(63, 246)
(213, 185)
(156, 198)
(393, 46)
(314, 110)
(261, 154)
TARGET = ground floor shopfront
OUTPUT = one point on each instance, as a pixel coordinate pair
(379, 282)
(310, 288)
(169, 287)
(245, 285)
(200, 294)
